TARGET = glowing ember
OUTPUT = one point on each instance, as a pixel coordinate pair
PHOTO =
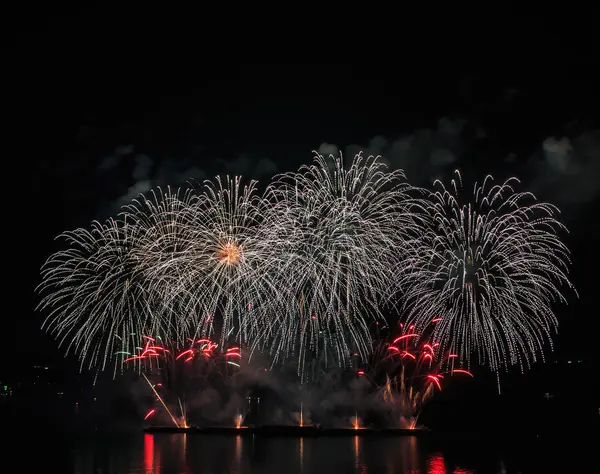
(356, 422)
(183, 415)
(238, 420)
(229, 254)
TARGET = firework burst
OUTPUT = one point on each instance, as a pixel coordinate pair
(491, 270)
(343, 233)
(175, 373)
(199, 361)
(170, 264)
(407, 371)
(165, 228)
(97, 292)
(230, 270)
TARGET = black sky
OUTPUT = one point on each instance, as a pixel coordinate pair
(102, 104)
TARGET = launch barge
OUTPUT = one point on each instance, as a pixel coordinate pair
(274, 430)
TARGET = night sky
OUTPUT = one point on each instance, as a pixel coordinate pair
(102, 106)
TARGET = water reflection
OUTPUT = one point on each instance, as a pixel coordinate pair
(301, 453)
(148, 452)
(437, 465)
(409, 455)
(238, 453)
(166, 454)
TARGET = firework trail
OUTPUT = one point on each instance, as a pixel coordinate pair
(491, 270)
(148, 354)
(343, 233)
(97, 292)
(407, 371)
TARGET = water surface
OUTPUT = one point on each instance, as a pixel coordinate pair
(193, 453)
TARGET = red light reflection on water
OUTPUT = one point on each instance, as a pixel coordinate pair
(148, 452)
(436, 465)
(151, 455)
(460, 470)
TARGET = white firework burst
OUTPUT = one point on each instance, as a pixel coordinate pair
(96, 292)
(343, 235)
(491, 269)
(164, 224)
(228, 274)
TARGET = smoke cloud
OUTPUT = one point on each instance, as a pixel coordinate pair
(133, 173)
(423, 155)
(569, 169)
(565, 171)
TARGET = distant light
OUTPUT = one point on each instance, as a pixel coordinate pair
(568, 362)
(5, 388)
(579, 361)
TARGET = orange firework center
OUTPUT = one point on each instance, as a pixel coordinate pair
(229, 254)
